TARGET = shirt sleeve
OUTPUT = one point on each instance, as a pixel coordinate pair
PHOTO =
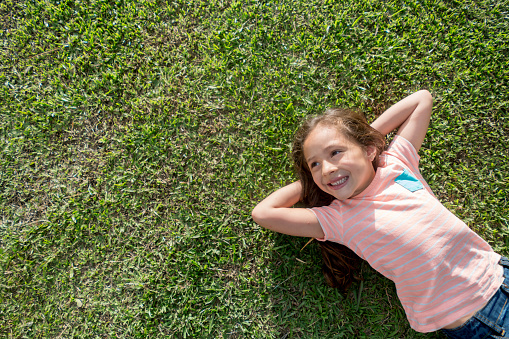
(403, 149)
(331, 221)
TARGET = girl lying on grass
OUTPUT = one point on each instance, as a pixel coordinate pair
(374, 202)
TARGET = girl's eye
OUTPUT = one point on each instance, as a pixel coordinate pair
(335, 152)
(313, 164)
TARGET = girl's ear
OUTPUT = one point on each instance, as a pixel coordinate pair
(371, 152)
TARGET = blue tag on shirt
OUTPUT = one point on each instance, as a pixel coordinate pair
(408, 181)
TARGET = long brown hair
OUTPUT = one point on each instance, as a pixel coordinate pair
(340, 264)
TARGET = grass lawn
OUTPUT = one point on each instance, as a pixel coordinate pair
(137, 135)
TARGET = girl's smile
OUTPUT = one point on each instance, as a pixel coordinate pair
(339, 166)
(338, 183)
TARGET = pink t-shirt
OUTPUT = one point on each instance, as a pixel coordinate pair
(442, 269)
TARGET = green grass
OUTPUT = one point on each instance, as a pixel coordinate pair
(136, 136)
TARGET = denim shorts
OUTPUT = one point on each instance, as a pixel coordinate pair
(493, 320)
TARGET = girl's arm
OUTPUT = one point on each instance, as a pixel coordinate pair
(411, 115)
(276, 213)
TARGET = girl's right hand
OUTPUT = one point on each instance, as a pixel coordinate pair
(276, 213)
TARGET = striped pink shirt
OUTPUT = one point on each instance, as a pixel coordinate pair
(442, 269)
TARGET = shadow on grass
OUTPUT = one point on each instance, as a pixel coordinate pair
(305, 307)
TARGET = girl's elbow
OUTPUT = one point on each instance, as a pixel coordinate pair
(257, 215)
(262, 216)
(254, 215)
(426, 97)
(425, 104)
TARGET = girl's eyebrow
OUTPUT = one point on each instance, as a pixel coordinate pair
(309, 159)
(326, 149)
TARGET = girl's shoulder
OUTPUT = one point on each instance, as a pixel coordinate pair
(401, 163)
(402, 150)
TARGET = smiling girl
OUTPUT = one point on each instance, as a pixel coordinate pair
(374, 202)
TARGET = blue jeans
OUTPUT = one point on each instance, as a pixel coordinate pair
(493, 320)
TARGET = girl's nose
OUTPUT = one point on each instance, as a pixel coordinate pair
(328, 168)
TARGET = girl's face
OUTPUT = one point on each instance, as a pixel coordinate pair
(340, 167)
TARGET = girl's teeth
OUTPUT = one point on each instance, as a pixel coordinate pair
(339, 182)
